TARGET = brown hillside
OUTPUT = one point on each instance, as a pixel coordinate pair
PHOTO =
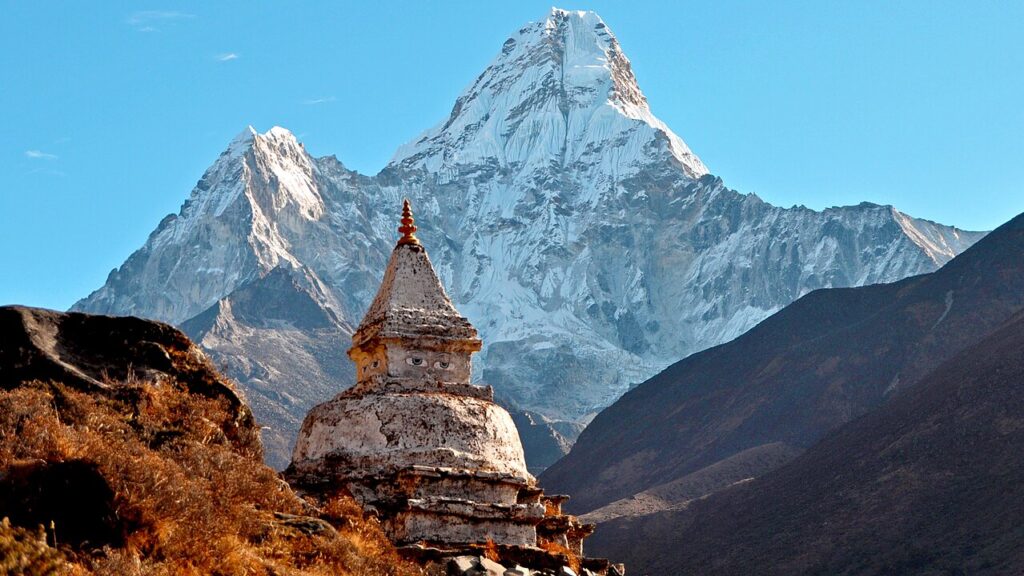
(119, 438)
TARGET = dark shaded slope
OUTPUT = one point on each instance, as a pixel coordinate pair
(822, 361)
(929, 483)
(679, 493)
(543, 442)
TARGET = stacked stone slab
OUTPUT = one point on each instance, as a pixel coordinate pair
(419, 445)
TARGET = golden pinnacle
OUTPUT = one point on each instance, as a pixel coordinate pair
(408, 227)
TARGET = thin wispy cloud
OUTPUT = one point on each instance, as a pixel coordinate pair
(40, 155)
(47, 172)
(323, 100)
(146, 20)
(227, 57)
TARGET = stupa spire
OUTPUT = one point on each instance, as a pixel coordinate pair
(408, 227)
(411, 303)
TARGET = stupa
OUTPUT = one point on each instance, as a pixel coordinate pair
(420, 446)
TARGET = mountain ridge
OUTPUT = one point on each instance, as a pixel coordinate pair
(565, 220)
(824, 360)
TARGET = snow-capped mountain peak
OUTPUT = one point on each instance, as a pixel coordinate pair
(239, 223)
(288, 172)
(278, 160)
(240, 143)
(560, 92)
(579, 234)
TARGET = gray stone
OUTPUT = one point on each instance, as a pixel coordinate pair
(305, 524)
(461, 565)
(491, 567)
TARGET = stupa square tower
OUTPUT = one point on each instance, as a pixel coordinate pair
(415, 442)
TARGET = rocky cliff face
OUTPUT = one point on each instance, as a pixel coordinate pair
(580, 234)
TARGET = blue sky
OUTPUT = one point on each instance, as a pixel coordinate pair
(111, 111)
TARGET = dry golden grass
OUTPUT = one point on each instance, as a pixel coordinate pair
(491, 550)
(23, 552)
(192, 496)
(558, 549)
(551, 509)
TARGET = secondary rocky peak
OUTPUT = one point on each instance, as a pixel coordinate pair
(242, 220)
(560, 90)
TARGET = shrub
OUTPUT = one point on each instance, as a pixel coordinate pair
(190, 498)
(26, 553)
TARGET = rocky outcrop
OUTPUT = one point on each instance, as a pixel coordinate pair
(476, 565)
(96, 353)
(123, 451)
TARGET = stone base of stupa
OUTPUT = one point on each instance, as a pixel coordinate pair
(435, 514)
(434, 504)
(440, 465)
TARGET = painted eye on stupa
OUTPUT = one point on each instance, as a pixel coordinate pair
(414, 360)
(442, 364)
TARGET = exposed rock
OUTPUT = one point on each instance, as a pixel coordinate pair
(462, 564)
(305, 524)
(96, 353)
(123, 451)
(491, 568)
(483, 566)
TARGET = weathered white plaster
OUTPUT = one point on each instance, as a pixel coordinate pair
(402, 430)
